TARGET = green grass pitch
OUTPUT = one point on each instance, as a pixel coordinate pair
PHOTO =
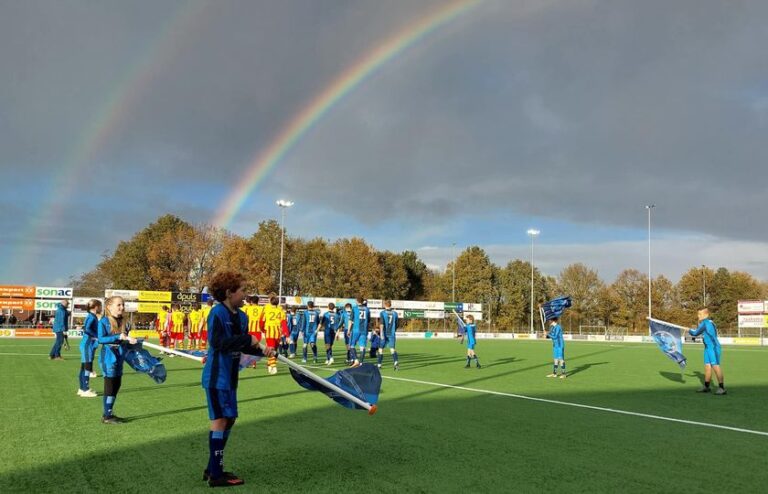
(424, 438)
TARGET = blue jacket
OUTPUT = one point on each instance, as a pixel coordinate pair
(388, 322)
(311, 320)
(112, 353)
(708, 331)
(556, 335)
(227, 338)
(61, 319)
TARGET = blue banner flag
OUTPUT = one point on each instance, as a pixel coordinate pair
(555, 308)
(364, 383)
(668, 337)
(461, 328)
(143, 362)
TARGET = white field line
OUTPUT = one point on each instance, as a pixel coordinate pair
(580, 405)
(27, 354)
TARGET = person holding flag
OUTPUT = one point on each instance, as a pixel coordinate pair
(558, 347)
(112, 333)
(708, 331)
(309, 331)
(388, 318)
(470, 331)
(227, 338)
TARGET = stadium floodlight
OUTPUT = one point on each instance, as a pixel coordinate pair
(533, 233)
(283, 204)
(649, 207)
(453, 290)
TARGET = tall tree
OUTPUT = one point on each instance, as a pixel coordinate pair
(631, 287)
(583, 285)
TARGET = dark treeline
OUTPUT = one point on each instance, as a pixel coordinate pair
(171, 254)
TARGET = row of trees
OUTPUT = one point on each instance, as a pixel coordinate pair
(171, 254)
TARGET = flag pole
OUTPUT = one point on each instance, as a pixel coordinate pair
(325, 383)
(171, 351)
(668, 323)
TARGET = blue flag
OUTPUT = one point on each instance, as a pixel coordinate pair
(555, 308)
(461, 328)
(142, 361)
(667, 337)
(362, 382)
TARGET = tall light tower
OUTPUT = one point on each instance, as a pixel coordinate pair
(649, 207)
(533, 233)
(453, 290)
(704, 284)
(283, 204)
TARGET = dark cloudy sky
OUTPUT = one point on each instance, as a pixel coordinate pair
(568, 116)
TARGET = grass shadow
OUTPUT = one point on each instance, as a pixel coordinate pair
(673, 376)
(584, 367)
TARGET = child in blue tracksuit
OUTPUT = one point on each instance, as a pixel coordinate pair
(88, 345)
(60, 327)
(470, 329)
(708, 331)
(295, 325)
(227, 338)
(558, 347)
(111, 335)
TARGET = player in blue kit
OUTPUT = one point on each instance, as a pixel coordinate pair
(558, 347)
(708, 332)
(227, 338)
(470, 331)
(88, 345)
(112, 333)
(388, 319)
(330, 324)
(361, 315)
(295, 325)
(345, 328)
(309, 333)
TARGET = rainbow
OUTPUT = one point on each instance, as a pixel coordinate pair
(107, 121)
(343, 85)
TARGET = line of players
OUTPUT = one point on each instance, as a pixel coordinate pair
(282, 330)
(352, 322)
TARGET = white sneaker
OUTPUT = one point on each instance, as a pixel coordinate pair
(80, 392)
(330, 362)
(273, 371)
(89, 394)
(293, 355)
(326, 362)
(93, 374)
(378, 365)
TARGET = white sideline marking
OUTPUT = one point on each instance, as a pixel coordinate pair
(579, 405)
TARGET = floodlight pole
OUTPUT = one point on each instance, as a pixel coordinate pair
(704, 284)
(532, 233)
(649, 207)
(453, 290)
(283, 206)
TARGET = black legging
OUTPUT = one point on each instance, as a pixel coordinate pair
(112, 385)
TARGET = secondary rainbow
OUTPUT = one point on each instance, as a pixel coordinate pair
(108, 120)
(344, 84)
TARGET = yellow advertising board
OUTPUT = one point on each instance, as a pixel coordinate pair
(154, 296)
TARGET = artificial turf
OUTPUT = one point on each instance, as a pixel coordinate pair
(424, 438)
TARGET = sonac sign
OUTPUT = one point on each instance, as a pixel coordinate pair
(52, 292)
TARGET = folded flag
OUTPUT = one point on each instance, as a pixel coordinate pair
(143, 362)
(668, 337)
(554, 308)
(356, 387)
